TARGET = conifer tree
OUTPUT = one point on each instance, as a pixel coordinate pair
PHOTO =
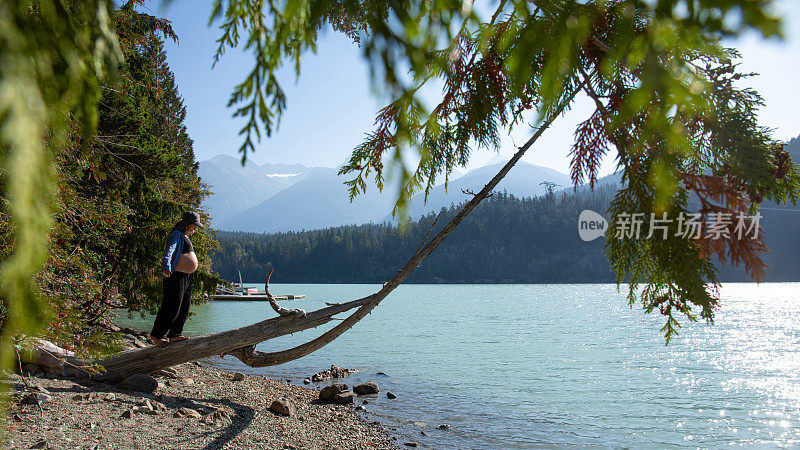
(120, 191)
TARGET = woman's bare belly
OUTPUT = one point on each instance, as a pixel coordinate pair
(187, 263)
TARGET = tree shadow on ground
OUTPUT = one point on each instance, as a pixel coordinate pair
(241, 418)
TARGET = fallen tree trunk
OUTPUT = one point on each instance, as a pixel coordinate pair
(145, 360)
(241, 342)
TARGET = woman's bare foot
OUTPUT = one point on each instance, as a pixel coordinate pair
(158, 342)
(178, 338)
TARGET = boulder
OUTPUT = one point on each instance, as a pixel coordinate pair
(35, 398)
(282, 407)
(390, 396)
(139, 383)
(336, 393)
(366, 389)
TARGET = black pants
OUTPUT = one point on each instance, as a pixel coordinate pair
(175, 305)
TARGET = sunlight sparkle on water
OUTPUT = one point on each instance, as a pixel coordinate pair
(560, 364)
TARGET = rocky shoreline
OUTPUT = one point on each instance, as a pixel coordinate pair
(193, 406)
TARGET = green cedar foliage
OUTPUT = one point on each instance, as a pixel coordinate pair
(665, 90)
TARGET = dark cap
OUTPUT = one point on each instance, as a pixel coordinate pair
(192, 218)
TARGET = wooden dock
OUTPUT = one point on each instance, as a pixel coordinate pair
(254, 298)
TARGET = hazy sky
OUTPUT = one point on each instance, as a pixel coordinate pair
(331, 106)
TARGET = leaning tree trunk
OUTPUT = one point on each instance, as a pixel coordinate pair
(241, 342)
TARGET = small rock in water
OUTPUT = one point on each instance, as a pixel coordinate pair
(306, 380)
(333, 372)
(238, 376)
(444, 426)
(410, 444)
(282, 407)
(365, 402)
(390, 396)
(139, 383)
(360, 408)
(423, 433)
(381, 373)
(366, 389)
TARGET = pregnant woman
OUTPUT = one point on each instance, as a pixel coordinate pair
(179, 264)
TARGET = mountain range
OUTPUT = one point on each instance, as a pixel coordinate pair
(278, 198)
(270, 198)
(236, 188)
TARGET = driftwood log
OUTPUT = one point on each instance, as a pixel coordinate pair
(241, 342)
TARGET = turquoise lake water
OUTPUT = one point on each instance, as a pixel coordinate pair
(518, 366)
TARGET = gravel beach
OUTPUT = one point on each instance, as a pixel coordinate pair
(194, 407)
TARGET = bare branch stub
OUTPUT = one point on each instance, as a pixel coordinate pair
(272, 302)
(469, 192)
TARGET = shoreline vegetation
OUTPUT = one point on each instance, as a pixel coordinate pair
(195, 405)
